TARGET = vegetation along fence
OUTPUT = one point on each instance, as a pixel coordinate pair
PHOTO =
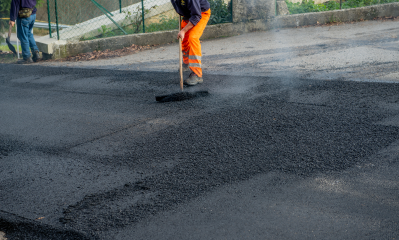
(90, 19)
(305, 6)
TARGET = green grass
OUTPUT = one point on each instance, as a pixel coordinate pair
(5, 48)
(164, 24)
(8, 57)
(36, 31)
(310, 6)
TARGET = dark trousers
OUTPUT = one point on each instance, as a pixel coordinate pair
(25, 35)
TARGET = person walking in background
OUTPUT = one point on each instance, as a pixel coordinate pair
(196, 14)
(24, 12)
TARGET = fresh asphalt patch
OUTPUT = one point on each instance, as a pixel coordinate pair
(76, 127)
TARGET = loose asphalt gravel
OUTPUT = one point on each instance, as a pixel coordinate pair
(285, 153)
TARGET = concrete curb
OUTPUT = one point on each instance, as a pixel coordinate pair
(62, 49)
(346, 15)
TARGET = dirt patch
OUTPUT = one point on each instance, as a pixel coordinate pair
(95, 55)
(7, 57)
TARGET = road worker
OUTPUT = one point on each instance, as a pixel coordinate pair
(24, 12)
(195, 14)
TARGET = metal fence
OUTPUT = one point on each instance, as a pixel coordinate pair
(88, 19)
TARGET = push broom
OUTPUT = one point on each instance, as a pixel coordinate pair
(10, 46)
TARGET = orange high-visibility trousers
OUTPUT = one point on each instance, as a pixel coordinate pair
(191, 46)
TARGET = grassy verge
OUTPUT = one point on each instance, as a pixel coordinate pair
(40, 32)
(5, 48)
(309, 6)
(6, 57)
(36, 31)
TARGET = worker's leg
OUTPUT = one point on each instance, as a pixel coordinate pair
(23, 36)
(184, 44)
(32, 42)
(191, 45)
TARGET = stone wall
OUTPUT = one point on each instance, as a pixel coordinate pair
(247, 10)
(282, 8)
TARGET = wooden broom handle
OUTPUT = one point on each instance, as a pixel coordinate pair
(180, 58)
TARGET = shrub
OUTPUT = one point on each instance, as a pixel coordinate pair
(164, 25)
(220, 12)
(305, 6)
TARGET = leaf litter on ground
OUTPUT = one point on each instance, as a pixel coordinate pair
(95, 55)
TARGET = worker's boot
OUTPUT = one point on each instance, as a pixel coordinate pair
(193, 79)
(185, 68)
(36, 56)
(25, 60)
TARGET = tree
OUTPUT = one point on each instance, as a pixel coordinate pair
(4, 8)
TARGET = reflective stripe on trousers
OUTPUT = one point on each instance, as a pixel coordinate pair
(191, 43)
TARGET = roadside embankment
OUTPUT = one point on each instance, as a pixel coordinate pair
(60, 49)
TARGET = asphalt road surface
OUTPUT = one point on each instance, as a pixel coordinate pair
(291, 143)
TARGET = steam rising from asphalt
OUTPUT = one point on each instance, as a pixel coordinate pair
(267, 58)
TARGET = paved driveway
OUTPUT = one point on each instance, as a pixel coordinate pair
(298, 139)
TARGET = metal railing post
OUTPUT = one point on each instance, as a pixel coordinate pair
(102, 8)
(49, 22)
(231, 10)
(56, 20)
(120, 6)
(105, 11)
(142, 14)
